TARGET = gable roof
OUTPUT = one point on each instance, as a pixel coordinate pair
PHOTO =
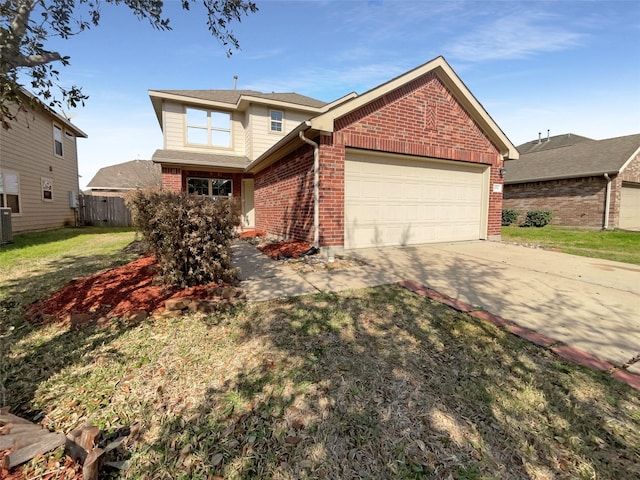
(557, 141)
(326, 121)
(127, 176)
(587, 158)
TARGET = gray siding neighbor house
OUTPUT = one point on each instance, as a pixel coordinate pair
(584, 182)
(39, 169)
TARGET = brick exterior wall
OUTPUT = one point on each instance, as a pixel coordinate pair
(575, 202)
(172, 178)
(283, 196)
(421, 118)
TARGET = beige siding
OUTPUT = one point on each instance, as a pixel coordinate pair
(248, 139)
(175, 131)
(261, 134)
(27, 148)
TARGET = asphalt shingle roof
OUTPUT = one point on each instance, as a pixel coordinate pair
(128, 175)
(557, 141)
(232, 96)
(585, 158)
(180, 157)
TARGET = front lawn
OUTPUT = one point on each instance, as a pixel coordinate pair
(376, 383)
(617, 245)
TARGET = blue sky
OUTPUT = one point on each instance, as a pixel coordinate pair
(563, 66)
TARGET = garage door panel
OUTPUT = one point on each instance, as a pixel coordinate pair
(402, 202)
(630, 206)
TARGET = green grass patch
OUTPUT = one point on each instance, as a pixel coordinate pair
(617, 245)
(55, 243)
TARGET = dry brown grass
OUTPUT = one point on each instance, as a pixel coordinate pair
(376, 383)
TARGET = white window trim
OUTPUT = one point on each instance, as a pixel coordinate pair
(209, 128)
(59, 128)
(271, 130)
(43, 182)
(3, 191)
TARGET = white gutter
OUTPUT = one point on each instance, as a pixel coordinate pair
(316, 188)
(607, 202)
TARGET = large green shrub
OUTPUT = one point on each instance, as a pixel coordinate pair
(537, 218)
(190, 235)
(509, 216)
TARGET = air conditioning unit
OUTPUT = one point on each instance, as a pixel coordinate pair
(6, 232)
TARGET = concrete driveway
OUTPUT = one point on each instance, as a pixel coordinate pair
(587, 303)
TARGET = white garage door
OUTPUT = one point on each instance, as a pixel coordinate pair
(392, 200)
(630, 206)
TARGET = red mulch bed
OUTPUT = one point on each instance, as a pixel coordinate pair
(286, 249)
(113, 293)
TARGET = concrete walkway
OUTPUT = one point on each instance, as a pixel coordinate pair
(587, 303)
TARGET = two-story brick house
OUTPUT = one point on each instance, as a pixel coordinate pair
(210, 136)
(39, 168)
(414, 160)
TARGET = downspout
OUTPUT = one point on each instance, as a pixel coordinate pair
(316, 188)
(607, 202)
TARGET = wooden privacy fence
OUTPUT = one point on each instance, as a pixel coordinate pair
(104, 211)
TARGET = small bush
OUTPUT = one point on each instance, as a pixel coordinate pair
(190, 235)
(509, 216)
(538, 218)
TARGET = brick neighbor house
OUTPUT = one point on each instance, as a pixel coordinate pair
(584, 182)
(414, 160)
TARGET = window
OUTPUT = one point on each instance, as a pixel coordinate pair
(208, 128)
(57, 140)
(211, 187)
(47, 189)
(276, 120)
(10, 191)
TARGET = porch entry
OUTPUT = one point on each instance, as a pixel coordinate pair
(248, 213)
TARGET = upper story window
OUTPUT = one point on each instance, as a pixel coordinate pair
(57, 140)
(210, 128)
(276, 120)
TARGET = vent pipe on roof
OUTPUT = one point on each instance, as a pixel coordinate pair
(235, 81)
(548, 131)
(539, 137)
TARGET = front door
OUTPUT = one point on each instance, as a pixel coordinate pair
(248, 215)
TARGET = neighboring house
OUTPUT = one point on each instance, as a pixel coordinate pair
(584, 182)
(414, 160)
(118, 180)
(39, 168)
